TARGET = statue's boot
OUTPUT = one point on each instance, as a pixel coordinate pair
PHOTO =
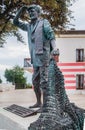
(38, 97)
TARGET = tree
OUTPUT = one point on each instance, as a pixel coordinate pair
(16, 76)
(56, 11)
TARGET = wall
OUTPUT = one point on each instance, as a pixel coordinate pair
(68, 46)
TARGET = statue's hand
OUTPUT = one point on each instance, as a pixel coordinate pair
(55, 55)
(23, 8)
(55, 52)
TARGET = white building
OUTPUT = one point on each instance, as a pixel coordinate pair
(72, 58)
(71, 44)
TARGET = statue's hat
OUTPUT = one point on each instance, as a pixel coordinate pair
(34, 6)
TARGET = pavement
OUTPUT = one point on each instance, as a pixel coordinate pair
(26, 97)
(20, 97)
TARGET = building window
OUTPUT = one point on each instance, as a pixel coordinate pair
(79, 55)
(79, 81)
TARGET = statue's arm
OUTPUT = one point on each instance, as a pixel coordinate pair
(49, 33)
(16, 20)
(53, 44)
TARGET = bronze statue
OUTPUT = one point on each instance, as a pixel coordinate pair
(57, 111)
(41, 40)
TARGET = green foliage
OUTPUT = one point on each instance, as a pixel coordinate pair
(28, 85)
(56, 11)
(16, 76)
(0, 80)
(9, 75)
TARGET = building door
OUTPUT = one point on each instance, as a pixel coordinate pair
(79, 81)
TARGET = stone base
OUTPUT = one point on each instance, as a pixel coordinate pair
(10, 121)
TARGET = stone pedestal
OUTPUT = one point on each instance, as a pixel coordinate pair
(10, 121)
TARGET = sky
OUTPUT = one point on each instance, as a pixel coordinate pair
(14, 52)
(78, 9)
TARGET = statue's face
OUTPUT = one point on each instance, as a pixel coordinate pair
(33, 14)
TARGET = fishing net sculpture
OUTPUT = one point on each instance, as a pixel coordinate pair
(57, 112)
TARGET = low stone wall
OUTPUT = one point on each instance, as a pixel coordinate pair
(6, 87)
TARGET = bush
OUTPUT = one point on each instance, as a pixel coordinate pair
(16, 77)
(19, 86)
(28, 85)
(0, 81)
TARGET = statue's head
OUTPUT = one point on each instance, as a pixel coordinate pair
(34, 11)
